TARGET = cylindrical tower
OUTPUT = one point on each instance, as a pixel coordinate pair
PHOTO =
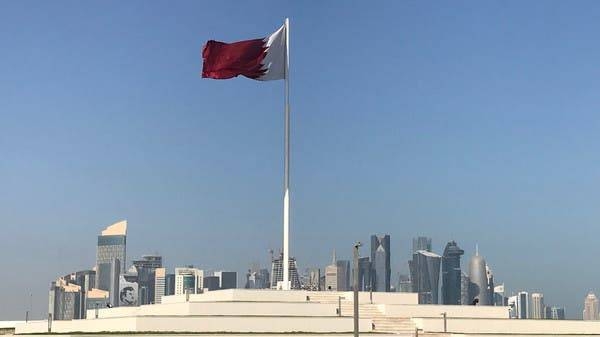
(478, 287)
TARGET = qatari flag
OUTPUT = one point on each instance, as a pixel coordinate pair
(258, 59)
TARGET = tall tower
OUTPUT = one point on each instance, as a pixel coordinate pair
(425, 276)
(380, 262)
(537, 306)
(478, 286)
(451, 274)
(523, 305)
(110, 258)
(590, 307)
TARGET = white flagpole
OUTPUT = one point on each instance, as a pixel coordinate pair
(286, 175)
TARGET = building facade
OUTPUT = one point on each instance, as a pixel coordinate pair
(188, 280)
(522, 305)
(380, 263)
(478, 287)
(421, 243)
(227, 279)
(537, 306)
(146, 268)
(111, 258)
(451, 274)
(277, 272)
(590, 307)
(425, 275)
(159, 284)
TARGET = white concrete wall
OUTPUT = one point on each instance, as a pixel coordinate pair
(509, 326)
(221, 309)
(270, 324)
(268, 295)
(452, 311)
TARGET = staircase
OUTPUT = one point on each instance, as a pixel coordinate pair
(382, 323)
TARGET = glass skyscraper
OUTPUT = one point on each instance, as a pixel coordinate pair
(380, 263)
(451, 274)
(110, 258)
(425, 275)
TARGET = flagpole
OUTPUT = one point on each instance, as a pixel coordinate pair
(286, 175)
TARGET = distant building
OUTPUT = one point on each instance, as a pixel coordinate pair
(478, 286)
(512, 305)
(404, 284)
(145, 270)
(227, 279)
(188, 279)
(522, 307)
(159, 284)
(380, 263)
(547, 312)
(169, 284)
(490, 283)
(334, 278)
(211, 283)
(345, 272)
(111, 258)
(258, 279)
(590, 307)
(537, 306)
(64, 300)
(421, 243)
(499, 298)
(277, 272)
(97, 299)
(310, 279)
(451, 274)
(425, 275)
(465, 297)
(364, 274)
(558, 312)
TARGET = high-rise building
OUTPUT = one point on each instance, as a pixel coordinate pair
(364, 274)
(490, 283)
(499, 299)
(465, 297)
(277, 272)
(257, 279)
(145, 277)
(159, 284)
(451, 274)
(188, 280)
(211, 283)
(512, 305)
(345, 271)
(590, 307)
(380, 263)
(169, 284)
(537, 306)
(478, 286)
(111, 258)
(522, 307)
(425, 275)
(64, 300)
(334, 276)
(421, 243)
(227, 279)
(547, 312)
(97, 299)
(86, 279)
(404, 284)
(558, 312)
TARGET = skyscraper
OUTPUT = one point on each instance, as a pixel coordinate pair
(465, 297)
(64, 300)
(110, 258)
(344, 268)
(537, 306)
(451, 274)
(159, 284)
(145, 277)
(478, 286)
(404, 284)
(364, 274)
(334, 276)
(425, 275)
(277, 272)
(421, 243)
(380, 262)
(522, 306)
(169, 284)
(590, 307)
(188, 279)
(257, 279)
(558, 312)
(227, 279)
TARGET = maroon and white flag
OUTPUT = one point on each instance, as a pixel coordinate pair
(258, 59)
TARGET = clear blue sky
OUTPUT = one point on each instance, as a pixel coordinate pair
(469, 121)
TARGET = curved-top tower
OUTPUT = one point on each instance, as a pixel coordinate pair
(478, 288)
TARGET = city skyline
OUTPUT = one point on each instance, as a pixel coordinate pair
(477, 124)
